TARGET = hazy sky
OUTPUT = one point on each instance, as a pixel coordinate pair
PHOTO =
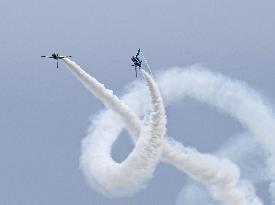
(45, 112)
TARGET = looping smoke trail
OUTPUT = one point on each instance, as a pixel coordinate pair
(220, 175)
(222, 180)
(120, 179)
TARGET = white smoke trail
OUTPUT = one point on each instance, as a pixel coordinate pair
(120, 179)
(229, 96)
(251, 160)
(106, 96)
(220, 175)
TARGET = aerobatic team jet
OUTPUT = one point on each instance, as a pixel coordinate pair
(137, 62)
(56, 56)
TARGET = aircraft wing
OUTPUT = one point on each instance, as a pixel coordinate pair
(46, 57)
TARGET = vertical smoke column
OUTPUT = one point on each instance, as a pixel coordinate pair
(158, 116)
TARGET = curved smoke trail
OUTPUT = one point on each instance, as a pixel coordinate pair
(220, 175)
(108, 176)
(251, 160)
(231, 97)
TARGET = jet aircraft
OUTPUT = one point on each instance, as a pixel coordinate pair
(56, 56)
(137, 62)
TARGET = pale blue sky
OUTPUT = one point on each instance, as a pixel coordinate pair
(45, 111)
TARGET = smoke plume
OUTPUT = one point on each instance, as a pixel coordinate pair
(220, 175)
